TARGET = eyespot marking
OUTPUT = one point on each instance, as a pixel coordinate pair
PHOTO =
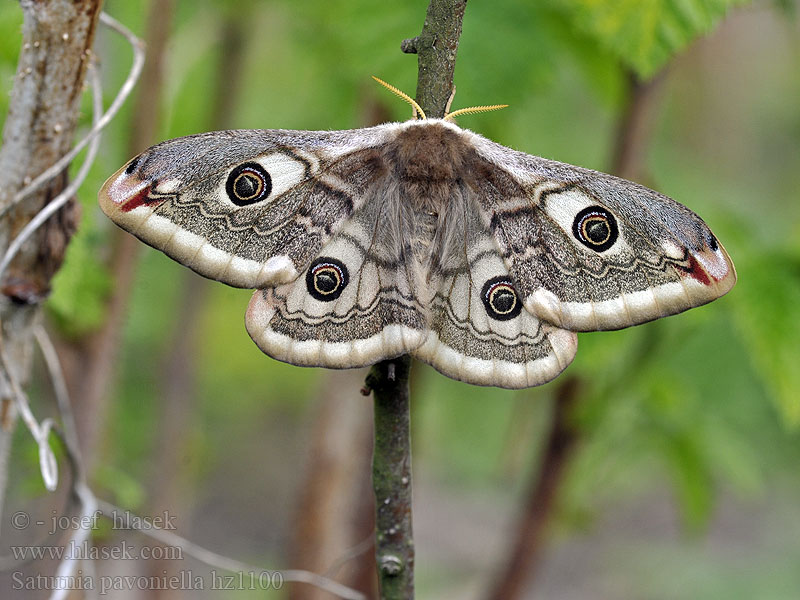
(596, 228)
(248, 183)
(326, 279)
(500, 299)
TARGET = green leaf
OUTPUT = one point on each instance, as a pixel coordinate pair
(645, 34)
(768, 316)
(679, 435)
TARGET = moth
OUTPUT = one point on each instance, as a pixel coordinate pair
(417, 238)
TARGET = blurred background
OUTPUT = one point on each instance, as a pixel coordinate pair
(680, 473)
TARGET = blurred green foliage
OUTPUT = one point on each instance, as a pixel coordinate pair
(645, 35)
(707, 400)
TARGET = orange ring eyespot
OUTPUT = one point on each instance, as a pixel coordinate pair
(500, 299)
(248, 183)
(326, 279)
(596, 228)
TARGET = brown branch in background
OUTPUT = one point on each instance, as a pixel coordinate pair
(334, 503)
(90, 363)
(633, 135)
(436, 47)
(43, 111)
(635, 126)
(529, 538)
(178, 383)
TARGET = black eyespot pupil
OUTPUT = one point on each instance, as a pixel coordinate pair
(246, 186)
(326, 279)
(503, 300)
(326, 282)
(500, 299)
(596, 228)
(248, 183)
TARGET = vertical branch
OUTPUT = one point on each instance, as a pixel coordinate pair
(391, 478)
(436, 47)
(43, 112)
(635, 125)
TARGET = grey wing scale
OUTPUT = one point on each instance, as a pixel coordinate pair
(589, 251)
(356, 304)
(177, 197)
(417, 238)
(480, 332)
(364, 299)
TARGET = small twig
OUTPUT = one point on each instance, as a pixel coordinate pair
(53, 365)
(80, 535)
(80, 490)
(124, 92)
(223, 562)
(39, 431)
(350, 554)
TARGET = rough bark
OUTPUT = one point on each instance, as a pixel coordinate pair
(391, 478)
(436, 49)
(57, 39)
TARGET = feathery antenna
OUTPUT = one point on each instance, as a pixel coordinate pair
(449, 116)
(417, 108)
(472, 110)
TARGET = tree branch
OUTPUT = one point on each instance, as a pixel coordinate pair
(436, 48)
(43, 111)
(391, 478)
(633, 135)
(635, 127)
(529, 539)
